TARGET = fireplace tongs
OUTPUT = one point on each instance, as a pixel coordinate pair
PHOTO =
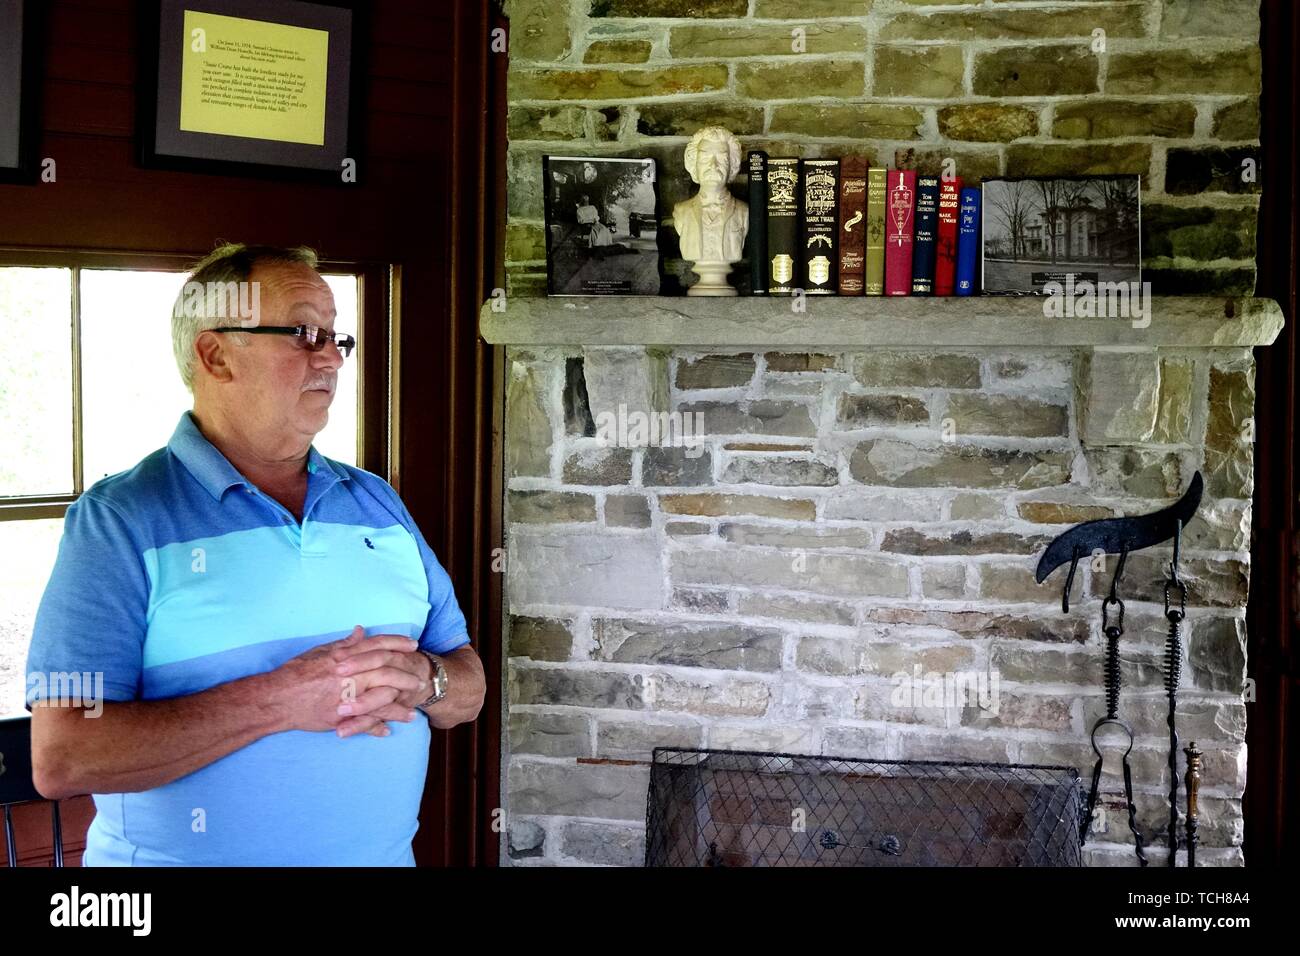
(1113, 631)
(1122, 535)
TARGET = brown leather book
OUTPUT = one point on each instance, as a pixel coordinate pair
(853, 224)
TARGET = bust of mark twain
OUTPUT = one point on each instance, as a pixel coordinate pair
(712, 224)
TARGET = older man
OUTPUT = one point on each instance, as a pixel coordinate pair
(273, 632)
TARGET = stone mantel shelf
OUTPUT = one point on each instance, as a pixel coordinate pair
(847, 323)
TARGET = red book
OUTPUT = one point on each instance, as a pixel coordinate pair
(853, 226)
(945, 264)
(900, 215)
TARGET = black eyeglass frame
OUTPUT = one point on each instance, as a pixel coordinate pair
(310, 337)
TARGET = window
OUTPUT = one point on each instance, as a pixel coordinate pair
(88, 387)
(35, 382)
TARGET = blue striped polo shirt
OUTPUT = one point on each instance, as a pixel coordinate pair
(179, 575)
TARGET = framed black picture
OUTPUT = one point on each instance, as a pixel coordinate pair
(1043, 232)
(266, 88)
(601, 227)
(20, 87)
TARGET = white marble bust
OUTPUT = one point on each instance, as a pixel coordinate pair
(713, 223)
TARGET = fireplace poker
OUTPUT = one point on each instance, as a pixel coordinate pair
(1173, 669)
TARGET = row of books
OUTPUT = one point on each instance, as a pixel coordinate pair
(839, 226)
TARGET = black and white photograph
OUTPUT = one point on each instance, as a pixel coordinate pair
(601, 228)
(1039, 231)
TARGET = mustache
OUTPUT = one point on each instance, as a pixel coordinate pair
(326, 383)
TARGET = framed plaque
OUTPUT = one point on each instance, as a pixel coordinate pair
(20, 85)
(252, 87)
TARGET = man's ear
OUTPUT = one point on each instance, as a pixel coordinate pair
(211, 352)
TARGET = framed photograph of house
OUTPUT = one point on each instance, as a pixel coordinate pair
(20, 86)
(1064, 230)
(601, 226)
(252, 87)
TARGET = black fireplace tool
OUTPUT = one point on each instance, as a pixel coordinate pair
(1120, 536)
(1113, 631)
(1173, 670)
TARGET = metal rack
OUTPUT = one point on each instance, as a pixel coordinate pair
(1122, 536)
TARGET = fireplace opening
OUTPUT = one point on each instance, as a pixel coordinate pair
(752, 808)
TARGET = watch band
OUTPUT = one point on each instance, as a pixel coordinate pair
(439, 679)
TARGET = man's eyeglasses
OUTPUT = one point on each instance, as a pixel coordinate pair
(310, 337)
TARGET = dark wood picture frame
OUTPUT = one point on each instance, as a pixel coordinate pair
(218, 154)
(29, 45)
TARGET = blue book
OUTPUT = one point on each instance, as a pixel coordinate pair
(968, 236)
(923, 241)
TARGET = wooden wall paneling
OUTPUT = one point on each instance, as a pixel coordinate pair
(1273, 612)
(494, 245)
(464, 789)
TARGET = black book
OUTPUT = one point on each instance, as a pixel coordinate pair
(758, 222)
(820, 259)
(923, 242)
(782, 223)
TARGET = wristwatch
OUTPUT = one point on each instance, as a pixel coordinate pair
(439, 679)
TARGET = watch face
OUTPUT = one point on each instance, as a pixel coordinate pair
(439, 676)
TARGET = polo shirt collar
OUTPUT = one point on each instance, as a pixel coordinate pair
(318, 464)
(214, 471)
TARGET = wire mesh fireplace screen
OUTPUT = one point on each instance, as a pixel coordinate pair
(748, 808)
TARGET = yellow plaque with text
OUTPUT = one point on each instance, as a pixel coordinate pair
(251, 78)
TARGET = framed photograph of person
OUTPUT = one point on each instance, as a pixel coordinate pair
(1063, 230)
(601, 226)
(20, 87)
(252, 87)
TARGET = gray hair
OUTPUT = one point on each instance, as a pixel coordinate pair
(216, 282)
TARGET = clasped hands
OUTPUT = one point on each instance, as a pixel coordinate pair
(353, 685)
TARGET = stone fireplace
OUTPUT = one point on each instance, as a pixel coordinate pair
(838, 558)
